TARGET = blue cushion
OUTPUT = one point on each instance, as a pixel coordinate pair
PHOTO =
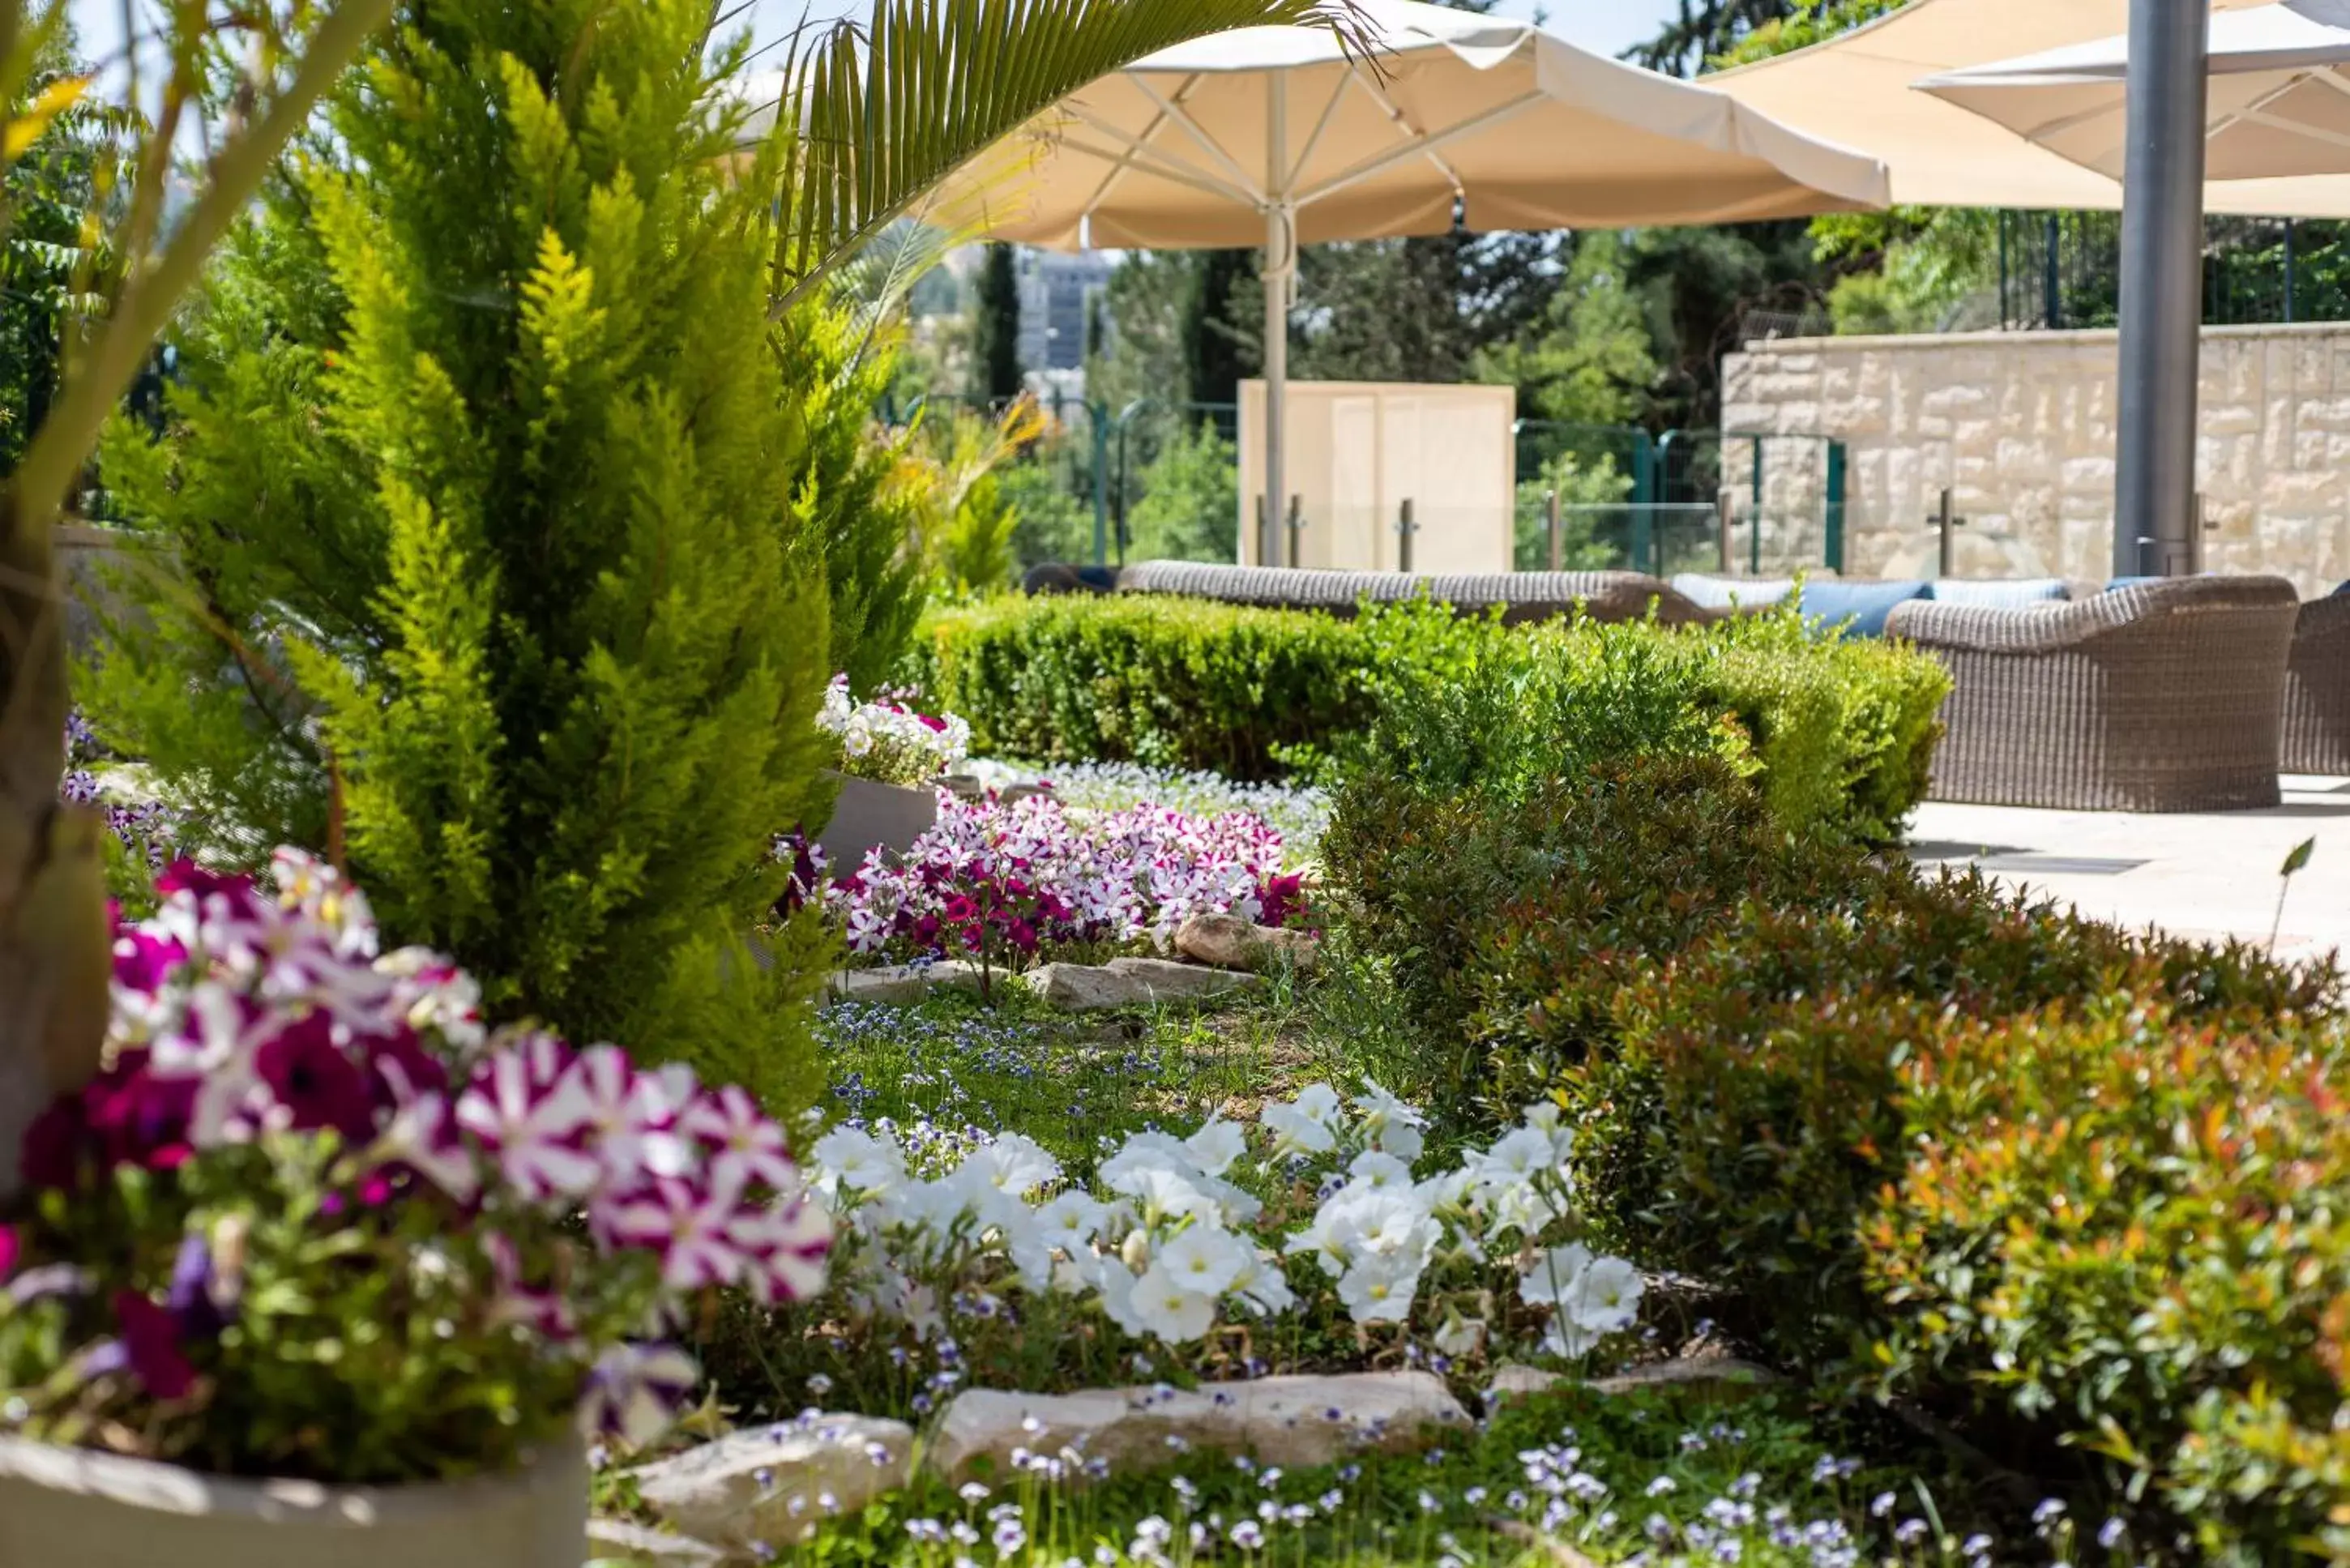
(2015, 595)
(1720, 593)
(1866, 603)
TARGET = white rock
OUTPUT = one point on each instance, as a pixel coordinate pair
(769, 1485)
(1167, 980)
(1719, 1375)
(1130, 982)
(1279, 1420)
(895, 984)
(613, 1540)
(1232, 941)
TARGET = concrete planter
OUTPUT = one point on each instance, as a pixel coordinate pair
(61, 1506)
(872, 815)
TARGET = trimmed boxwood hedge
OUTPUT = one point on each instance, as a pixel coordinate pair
(1841, 731)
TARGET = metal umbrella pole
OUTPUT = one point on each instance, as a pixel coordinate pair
(2162, 287)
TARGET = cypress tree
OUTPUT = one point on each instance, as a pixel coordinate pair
(489, 576)
(995, 327)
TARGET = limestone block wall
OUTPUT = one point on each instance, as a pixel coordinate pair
(2021, 425)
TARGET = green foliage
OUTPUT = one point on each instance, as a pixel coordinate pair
(1173, 682)
(488, 571)
(2129, 1222)
(1189, 508)
(846, 489)
(995, 323)
(1577, 485)
(1589, 360)
(1804, 22)
(1048, 522)
(1842, 731)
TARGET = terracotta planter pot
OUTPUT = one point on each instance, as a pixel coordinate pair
(876, 816)
(73, 1506)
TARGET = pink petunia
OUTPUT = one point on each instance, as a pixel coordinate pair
(532, 1114)
(694, 1231)
(743, 1140)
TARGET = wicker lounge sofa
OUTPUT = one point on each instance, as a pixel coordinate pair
(2163, 696)
(2317, 690)
(1522, 596)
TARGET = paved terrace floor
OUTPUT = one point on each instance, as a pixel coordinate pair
(2195, 876)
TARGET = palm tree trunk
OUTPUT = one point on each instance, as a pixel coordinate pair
(54, 937)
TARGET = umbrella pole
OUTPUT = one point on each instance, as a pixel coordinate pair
(2162, 287)
(1279, 258)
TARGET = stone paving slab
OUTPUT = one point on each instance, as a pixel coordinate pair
(2195, 874)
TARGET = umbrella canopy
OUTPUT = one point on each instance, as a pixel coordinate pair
(1193, 146)
(2277, 102)
(1279, 136)
(1858, 89)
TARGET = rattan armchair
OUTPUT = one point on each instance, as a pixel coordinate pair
(1522, 596)
(2165, 696)
(2317, 690)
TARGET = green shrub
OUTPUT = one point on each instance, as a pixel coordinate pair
(2135, 1225)
(1175, 682)
(1842, 732)
(1750, 1108)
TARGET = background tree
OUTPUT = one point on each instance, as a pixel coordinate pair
(1222, 324)
(995, 327)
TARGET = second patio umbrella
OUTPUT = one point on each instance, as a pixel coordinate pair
(2278, 101)
(1276, 136)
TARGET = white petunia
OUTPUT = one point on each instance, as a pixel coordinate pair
(1376, 1171)
(1605, 1296)
(1261, 1285)
(1554, 1275)
(858, 1162)
(1070, 1220)
(1216, 1146)
(1318, 1101)
(1459, 1335)
(1391, 1125)
(1169, 1309)
(1295, 1132)
(1016, 1163)
(1547, 1119)
(1379, 1288)
(1518, 1157)
(1204, 1259)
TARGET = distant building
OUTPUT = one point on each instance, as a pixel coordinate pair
(1053, 293)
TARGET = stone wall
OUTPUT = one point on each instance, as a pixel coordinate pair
(2021, 425)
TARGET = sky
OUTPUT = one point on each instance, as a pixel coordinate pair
(1604, 26)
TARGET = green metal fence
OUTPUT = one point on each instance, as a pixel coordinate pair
(1159, 480)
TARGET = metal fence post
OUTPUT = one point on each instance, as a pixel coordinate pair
(1265, 554)
(1725, 520)
(1945, 520)
(1755, 543)
(1296, 523)
(1094, 416)
(1551, 522)
(1834, 520)
(1404, 529)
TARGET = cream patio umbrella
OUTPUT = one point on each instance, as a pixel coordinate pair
(2277, 101)
(1278, 137)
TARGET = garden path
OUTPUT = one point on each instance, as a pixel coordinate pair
(2195, 874)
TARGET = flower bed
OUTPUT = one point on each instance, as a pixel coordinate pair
(313, 1220)
(1001, 881)
(887, 741)
(1297, 812)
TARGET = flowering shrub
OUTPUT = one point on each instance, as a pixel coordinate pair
(1167, 1242)
(144, 831)
(888, 743)
(312, 1220)
(1297, 812)
(994, 880)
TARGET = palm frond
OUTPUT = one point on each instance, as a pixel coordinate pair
(873, 121)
